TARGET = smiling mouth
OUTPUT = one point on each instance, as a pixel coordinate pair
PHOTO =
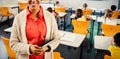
(33, 5)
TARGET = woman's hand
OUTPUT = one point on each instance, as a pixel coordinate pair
(35, 49)
(44, 49)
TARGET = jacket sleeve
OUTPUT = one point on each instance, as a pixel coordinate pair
(54, 35)
(16, 42)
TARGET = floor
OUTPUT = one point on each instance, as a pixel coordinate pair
(67, 52)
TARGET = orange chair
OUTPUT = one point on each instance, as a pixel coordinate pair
(115, 15)
(5, 12)
(108, 57)
(87, 12)
(60, 9)
(11, 54)
(45, 0)
(110, 30)
(57, 55)
(80, 27)
(22, 5)
(0, 9)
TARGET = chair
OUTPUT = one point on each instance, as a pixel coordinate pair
(46, 0)
(87, 12)
(57, 55)
(110, 30)
(5, 13)
(108, 57)
(60, 9)
(22, 5)
(0, 10)
(115, 15)
(11, 54)
(80, 27)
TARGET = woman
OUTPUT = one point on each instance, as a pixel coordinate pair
(80, 17)
(32, 28)
(107, 18)
(115, 46)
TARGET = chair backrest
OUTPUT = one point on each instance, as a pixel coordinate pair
(62, 9)
(22, 5)
(110, 30)
(87, 12)
(80, 27)
(4, 10)
(57, 55)
(11, 53)
(0, 9)
(108, 57)
(115, 15)
(46, 0)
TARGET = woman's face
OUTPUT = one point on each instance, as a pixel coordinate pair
(34, 4)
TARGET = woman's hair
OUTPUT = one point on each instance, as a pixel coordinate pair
(85, 5)
(108, 13)
(57, 2)
(117, 39)
(30, 1)
(113, 7)
(50, 9)
(79, 13)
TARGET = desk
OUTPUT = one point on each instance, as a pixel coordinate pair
(118, 21)
(8, 29)
(62, 15)
(102, 42)
(76, 41)
(94, 17)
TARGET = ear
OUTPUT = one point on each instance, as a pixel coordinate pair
(112, 42)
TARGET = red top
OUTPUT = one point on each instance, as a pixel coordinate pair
(36, 31)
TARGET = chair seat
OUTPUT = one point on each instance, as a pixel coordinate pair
(57, 55)
(81, 32)
(9, 14)
(11, 53)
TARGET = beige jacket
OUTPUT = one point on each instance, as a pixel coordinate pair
(18, 40)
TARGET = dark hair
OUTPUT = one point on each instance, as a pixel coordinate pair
(57, 2)
(109, 13)
(113, 7)
(30, 1)
(79, 13)
(85, 5)
(49, 9)
(117, 39)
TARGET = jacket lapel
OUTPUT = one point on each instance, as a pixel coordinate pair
(23, 25)
(48, 25)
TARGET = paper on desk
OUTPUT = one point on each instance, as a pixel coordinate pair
(67, 36)
(102, 42)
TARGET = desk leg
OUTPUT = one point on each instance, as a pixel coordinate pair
(92, 31)
(99, 23)
(64, 23)
(81, 49)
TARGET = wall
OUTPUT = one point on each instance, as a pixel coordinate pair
(0, 2)
(105, 4)
(11, 1)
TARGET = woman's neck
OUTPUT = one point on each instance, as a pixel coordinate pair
(34, 11)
